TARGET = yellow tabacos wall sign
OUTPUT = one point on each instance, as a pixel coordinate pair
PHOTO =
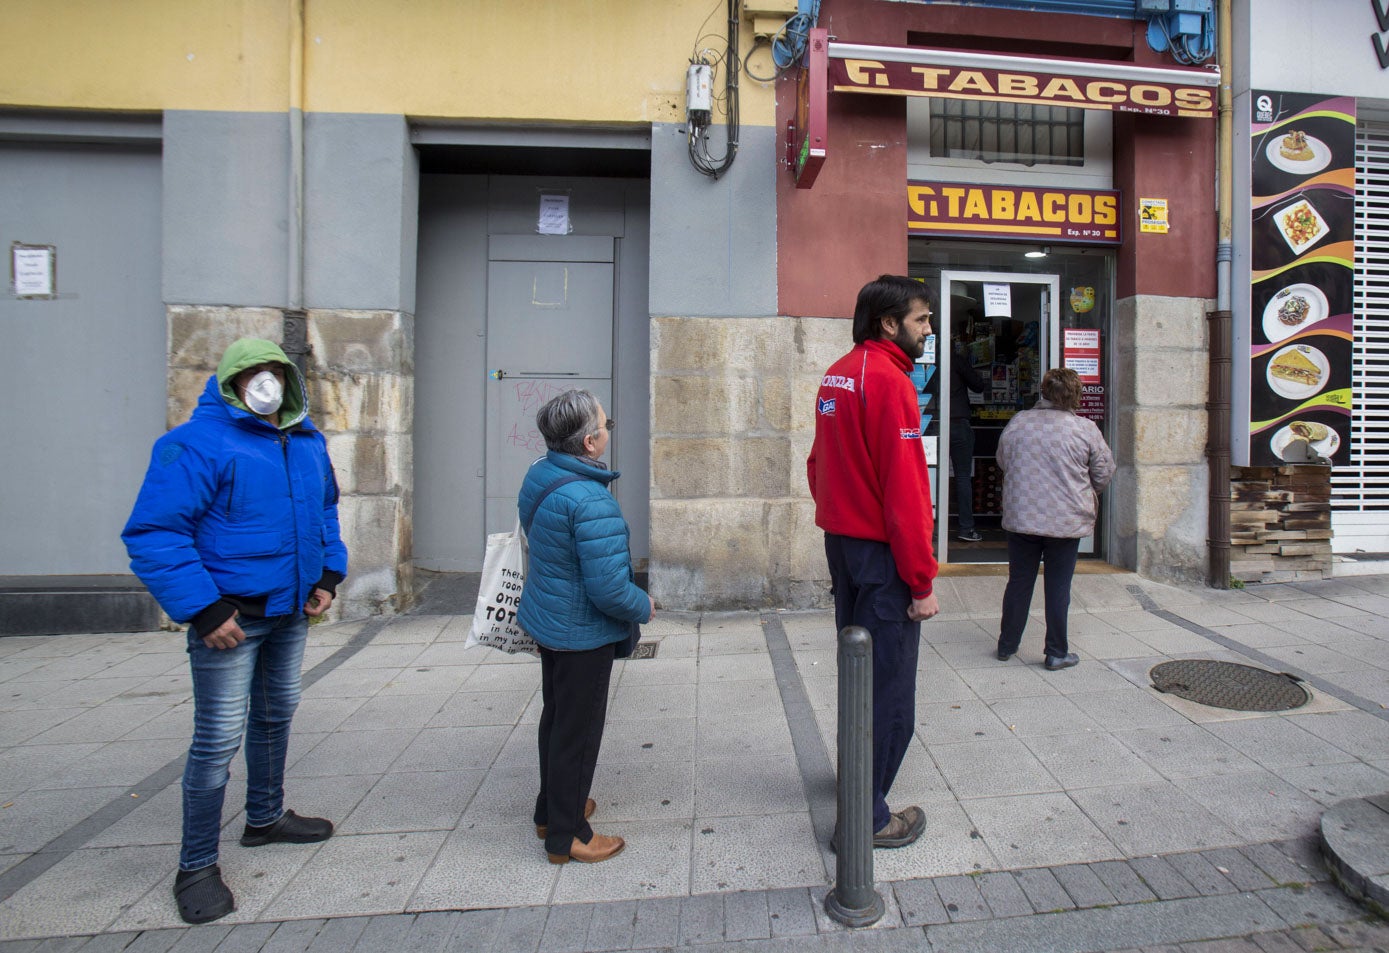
(1010, 211)
(1021, 86)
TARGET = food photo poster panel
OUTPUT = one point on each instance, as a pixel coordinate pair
(1302, 210)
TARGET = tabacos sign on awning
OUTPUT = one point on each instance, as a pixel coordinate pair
(1012, 211)
(954, 74)
(1125, 92)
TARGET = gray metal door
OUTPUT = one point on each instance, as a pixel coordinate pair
(549, 329)
(84, 372)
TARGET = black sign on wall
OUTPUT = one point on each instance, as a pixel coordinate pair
(1302, 259)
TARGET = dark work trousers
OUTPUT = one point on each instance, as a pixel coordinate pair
(574, 688)
(868, 592)
(961, 462)
(1025, 553)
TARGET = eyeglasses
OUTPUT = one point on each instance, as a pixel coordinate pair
(610, 424)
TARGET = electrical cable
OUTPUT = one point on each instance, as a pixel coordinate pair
(790, 43)
(698, 141)
(776, 72)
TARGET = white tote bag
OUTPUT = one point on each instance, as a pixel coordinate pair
(499, 595)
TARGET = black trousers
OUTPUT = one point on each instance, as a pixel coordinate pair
(868, 592)
(961, 461)
(1025, 554)
(574, 688)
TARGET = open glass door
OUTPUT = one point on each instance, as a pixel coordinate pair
(996, 336)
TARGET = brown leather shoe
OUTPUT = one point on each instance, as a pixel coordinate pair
(901, 829)
(589, 807)
(599, 848)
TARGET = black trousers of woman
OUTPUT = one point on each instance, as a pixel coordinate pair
(574, 688)
(1025, 553)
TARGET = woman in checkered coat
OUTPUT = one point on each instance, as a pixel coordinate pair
(1055, 464)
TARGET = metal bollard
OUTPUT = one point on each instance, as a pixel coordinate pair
(853, 901)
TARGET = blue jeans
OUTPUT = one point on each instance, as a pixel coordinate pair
(250, 691)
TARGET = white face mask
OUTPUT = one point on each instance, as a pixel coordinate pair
(264, 393)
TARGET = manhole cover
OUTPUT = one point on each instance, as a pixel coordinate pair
(1229, 685)
(645, 650)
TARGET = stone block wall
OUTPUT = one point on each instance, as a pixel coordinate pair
(1159, 498)
(732, 420)
(1280, 524)
(361, 395)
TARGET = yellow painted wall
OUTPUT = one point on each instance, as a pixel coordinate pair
(602, 61)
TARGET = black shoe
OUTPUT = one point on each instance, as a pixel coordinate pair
(969, 536)
(202, 895)
(1004, 656)
(1056, 663)
(289, 829)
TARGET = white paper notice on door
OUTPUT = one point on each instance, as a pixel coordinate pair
(554, 215)
(998, 301)
(32, 268)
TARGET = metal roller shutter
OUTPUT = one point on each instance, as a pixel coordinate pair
(1360, 490)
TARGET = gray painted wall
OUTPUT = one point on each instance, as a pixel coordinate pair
(226, 208)
(713, 243)
(1283, 45)
(361, 203)
(87, 368)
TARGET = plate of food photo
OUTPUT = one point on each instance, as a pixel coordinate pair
(1295, 307)
(1297, 371)
(1298, 153)
(1300, 225)
(1321, 439)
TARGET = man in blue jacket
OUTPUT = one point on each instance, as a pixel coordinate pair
(235, 531)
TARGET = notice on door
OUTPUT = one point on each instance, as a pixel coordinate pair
(998, 301)
(1080, 349)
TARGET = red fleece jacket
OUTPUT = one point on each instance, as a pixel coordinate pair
(866, 469)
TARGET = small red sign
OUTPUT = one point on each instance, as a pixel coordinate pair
(1080, 351)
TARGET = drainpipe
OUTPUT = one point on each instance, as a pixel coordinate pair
(295, 327)
(1220, 326)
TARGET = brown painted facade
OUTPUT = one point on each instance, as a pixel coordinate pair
(852, 223)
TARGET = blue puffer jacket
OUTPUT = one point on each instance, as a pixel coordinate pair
(579, 591)
(236, 515)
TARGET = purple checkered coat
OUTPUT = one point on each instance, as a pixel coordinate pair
(1055, 464)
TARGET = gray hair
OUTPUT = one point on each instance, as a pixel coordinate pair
(566, 420)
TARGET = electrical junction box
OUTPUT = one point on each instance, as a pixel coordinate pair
(768, 16)
(1149, 7)
(1184, 24)
(1191, 6)
(699, 93)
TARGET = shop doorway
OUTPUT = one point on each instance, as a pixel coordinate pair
(997, 334)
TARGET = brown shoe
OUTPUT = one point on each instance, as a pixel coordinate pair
(589, 807)
(599, 848)
(901, 829)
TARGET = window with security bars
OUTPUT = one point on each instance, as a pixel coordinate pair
(1363, 484)
(1007, 132)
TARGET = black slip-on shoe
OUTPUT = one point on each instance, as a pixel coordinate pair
(1055, 663)
(202, 895)
(289, 829)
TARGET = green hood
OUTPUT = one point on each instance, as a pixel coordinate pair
(248, 352)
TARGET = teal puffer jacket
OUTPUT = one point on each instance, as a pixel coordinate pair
(579, 591)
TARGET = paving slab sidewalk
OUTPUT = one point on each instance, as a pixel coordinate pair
(1082, 791)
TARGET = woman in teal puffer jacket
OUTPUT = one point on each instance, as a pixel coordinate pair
(578, 604)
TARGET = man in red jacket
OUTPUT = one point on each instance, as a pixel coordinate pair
(872, 494)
